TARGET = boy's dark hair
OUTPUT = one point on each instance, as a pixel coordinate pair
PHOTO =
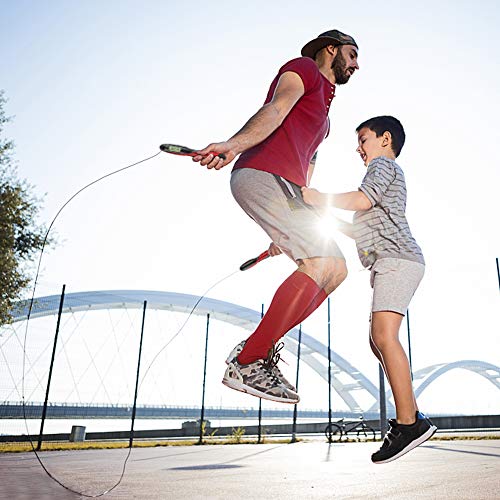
(381, 124)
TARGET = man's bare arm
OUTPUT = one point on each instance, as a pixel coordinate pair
(289, 90)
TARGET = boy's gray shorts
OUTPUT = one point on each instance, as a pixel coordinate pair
(394, 281)
(277, 206)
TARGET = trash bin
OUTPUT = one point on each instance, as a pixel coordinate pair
(77, 433)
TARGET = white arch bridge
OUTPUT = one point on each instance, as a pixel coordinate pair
(313, 352)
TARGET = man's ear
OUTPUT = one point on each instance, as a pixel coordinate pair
(332, 49)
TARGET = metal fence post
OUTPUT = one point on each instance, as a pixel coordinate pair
(498, 273)
(329, 371)
(44, 411)
(202, 417)
(259, 436)
(409, 341)
(383, 411)
(134, 407)
(294, 425)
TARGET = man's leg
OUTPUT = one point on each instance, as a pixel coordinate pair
(291, 225)
(298, 296)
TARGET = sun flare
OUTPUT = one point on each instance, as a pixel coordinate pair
(327, 226)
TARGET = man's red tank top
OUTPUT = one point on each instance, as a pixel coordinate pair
(289, 149)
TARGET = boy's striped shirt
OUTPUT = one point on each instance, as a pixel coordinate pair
(383, 231)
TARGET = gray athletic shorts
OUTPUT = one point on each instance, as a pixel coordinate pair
(394, 281)
(277, 206)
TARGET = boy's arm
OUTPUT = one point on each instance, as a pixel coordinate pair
(354, 200)
(377, 180)
(345, 227)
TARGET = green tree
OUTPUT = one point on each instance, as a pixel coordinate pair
(20, 235)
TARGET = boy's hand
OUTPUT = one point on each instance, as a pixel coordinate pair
(314, 197)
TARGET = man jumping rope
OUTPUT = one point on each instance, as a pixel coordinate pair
(277, 147)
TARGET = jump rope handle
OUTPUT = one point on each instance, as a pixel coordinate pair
(185, 151)
(252, 262)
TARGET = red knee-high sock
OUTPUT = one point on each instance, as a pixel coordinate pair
(290, 303)
(317, 301)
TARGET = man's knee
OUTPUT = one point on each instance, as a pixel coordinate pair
(328, 272)
(338, 276)
(341, 270)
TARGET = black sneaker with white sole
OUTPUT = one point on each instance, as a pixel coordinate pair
(400, 439)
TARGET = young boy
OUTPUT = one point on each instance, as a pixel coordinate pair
(386, 246)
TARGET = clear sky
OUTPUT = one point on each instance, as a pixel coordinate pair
(94, 86)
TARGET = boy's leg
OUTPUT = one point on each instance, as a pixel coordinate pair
(394, 282)
(411, 428)
(384, 337)
(374, 349)
(377, 354)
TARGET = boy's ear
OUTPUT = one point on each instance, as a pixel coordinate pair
(387, 139)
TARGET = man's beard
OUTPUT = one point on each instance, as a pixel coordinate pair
(339, 67)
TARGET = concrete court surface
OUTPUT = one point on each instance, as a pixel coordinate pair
(441, 470)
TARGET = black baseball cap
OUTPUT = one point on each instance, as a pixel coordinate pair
(332, 37)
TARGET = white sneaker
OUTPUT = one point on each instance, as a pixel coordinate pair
(273, 353)
(258, 380)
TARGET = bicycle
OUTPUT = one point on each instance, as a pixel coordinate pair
(336, 430)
